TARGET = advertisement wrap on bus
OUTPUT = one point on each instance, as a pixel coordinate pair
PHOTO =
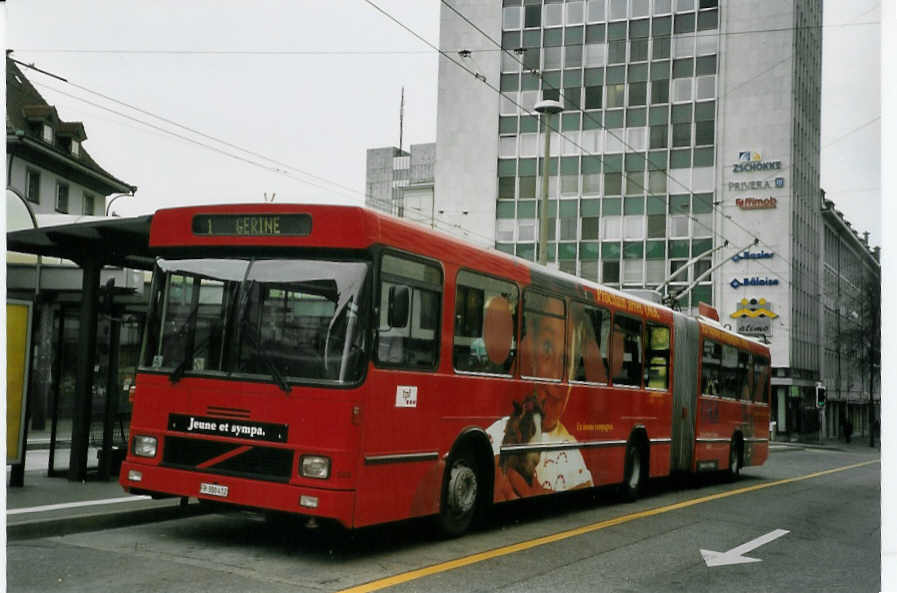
(336, 363)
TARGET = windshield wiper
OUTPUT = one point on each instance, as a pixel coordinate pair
(266, 358)
(188, 327)
(243, 326)
(179, 370)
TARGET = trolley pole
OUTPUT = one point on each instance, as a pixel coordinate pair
(546, 108)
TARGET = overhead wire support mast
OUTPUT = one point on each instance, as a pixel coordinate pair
(700, 278)
(662, 289)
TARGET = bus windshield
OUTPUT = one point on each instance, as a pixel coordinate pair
(282, 320)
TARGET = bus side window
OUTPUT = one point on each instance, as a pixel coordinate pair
(710, 364)
(588, 338)
(730, 383)
(408, 326)
(626, 351)
(761, 378)
(485, 324)
(542, 344)
(657, 357)
(747, 375)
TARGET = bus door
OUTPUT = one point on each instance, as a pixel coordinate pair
(399, 440)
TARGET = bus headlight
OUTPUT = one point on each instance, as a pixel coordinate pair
(314, 466)
(145, 446)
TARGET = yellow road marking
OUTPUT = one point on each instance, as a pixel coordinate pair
(412, 575)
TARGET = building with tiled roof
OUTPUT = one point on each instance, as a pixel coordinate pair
(46, 162)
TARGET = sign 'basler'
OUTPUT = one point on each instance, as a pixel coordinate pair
(752, 255)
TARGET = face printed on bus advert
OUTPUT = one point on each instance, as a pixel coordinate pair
(548, 362)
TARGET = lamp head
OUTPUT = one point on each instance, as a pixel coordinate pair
(548, 106)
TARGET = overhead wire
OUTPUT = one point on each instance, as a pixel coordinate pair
(286, 170)
(182, 126)
(852, 131)
(184, 138)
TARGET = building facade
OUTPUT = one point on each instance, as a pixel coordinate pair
(400, 182)
(851, 304)
(689, 143)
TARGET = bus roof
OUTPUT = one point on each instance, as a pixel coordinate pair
(355, 227)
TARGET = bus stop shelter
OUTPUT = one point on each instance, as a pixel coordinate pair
(122, 242)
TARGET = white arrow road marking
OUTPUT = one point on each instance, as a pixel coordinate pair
(734, 556)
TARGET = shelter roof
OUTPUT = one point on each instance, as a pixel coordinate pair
(111, 241)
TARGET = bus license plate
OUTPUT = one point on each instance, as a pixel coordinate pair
(213, 489)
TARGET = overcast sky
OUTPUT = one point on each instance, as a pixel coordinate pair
(312, 85)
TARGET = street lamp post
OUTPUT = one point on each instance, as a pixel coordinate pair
(120, 195)
(545, 108)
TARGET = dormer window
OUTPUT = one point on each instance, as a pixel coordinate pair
(76, 148)
(47, 134)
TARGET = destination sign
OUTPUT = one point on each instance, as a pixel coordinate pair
(252, 225)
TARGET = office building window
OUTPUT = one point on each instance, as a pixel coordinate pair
(511, 17)
(532, 16)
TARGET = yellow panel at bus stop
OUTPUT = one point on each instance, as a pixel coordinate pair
(18, 316)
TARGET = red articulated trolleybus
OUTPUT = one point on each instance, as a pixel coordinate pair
(337, 363)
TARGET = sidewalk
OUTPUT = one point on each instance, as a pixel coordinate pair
(55, 506)
(860, 443)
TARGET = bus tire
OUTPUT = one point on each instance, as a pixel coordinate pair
(462, 492)
(634, 472)
(735, 457)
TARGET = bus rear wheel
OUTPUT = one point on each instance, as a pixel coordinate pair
(734, 470)
(461, 494)
(634, 474)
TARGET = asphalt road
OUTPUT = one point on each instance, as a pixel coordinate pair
(589, 542)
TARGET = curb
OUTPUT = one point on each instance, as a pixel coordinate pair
(67, 525)
(773, 445)
(800, 445)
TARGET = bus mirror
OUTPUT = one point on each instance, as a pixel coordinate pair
(399, 298)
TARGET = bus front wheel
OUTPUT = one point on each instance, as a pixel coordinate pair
(460, 494)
